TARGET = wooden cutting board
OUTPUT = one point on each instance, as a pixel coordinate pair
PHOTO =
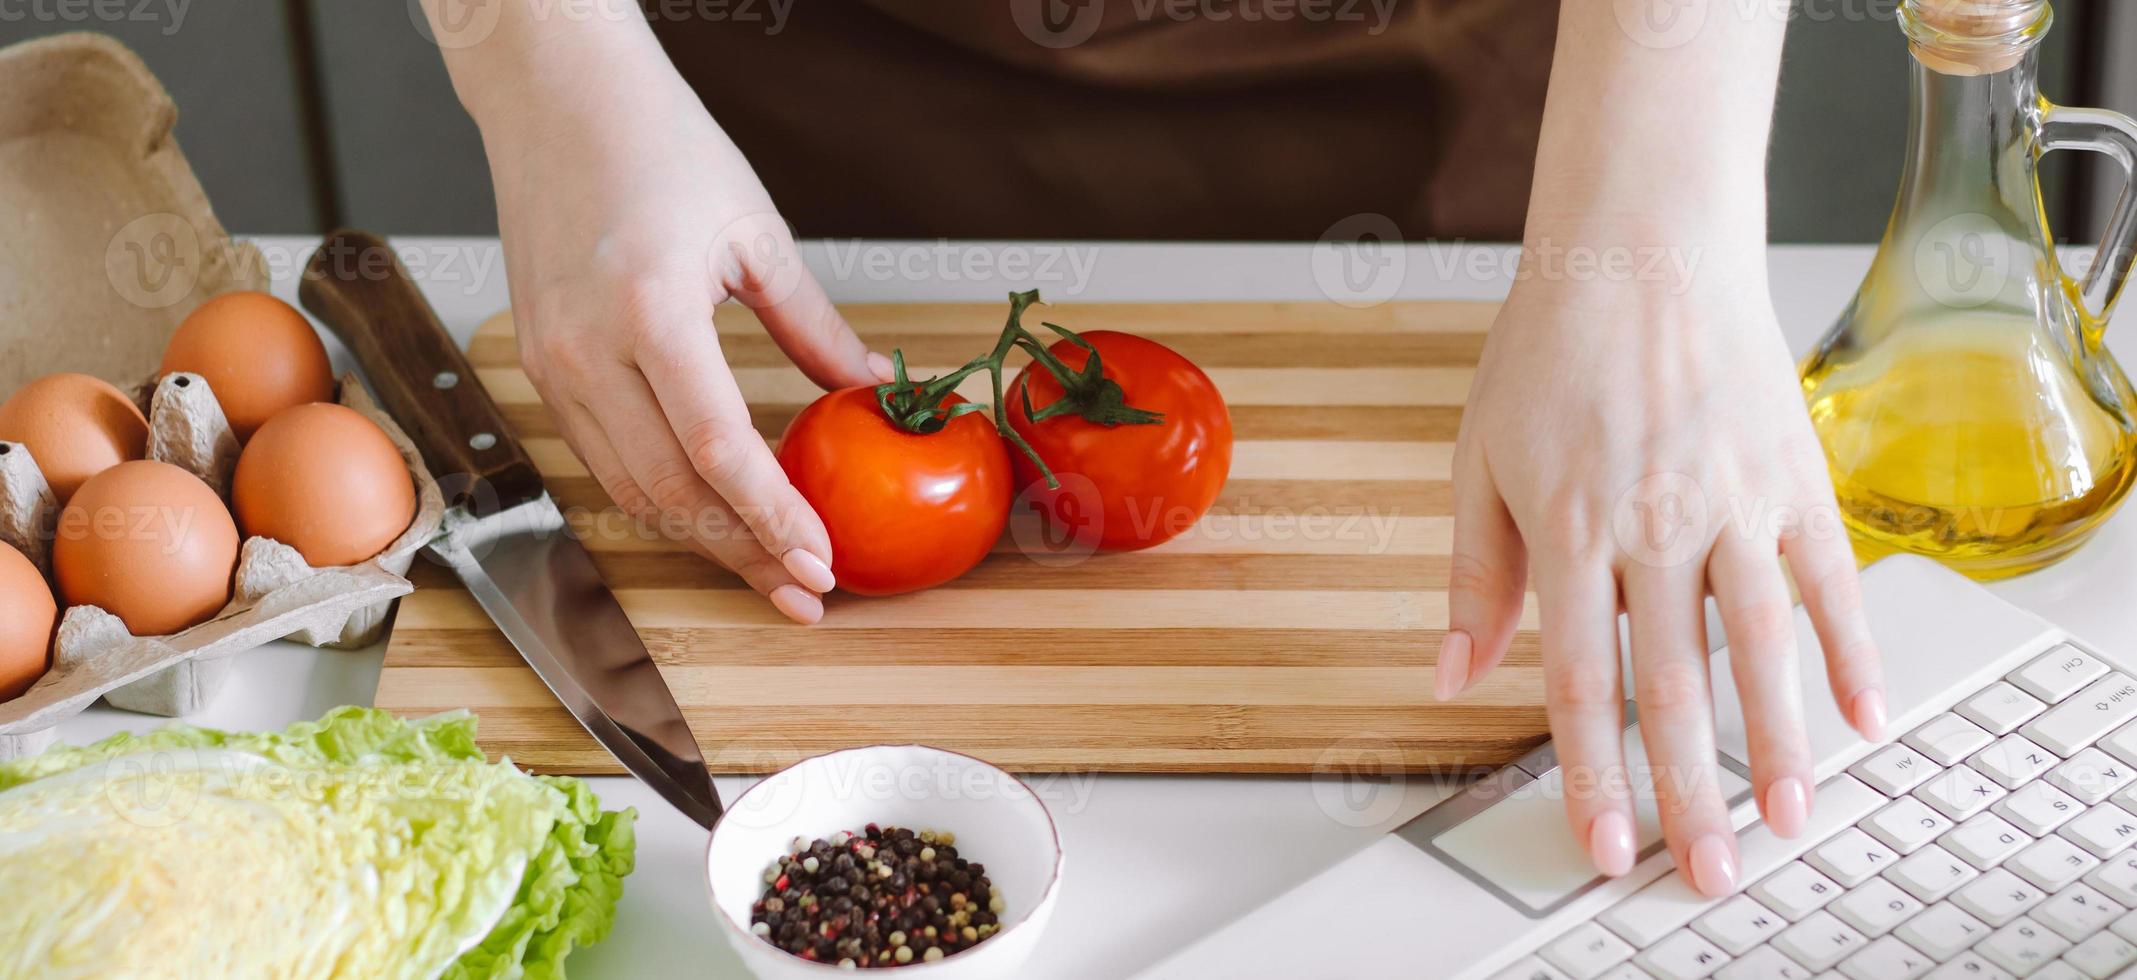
(1293, 630)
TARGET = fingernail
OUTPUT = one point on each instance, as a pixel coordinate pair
(1788, 806)
(810, 570)
(1713, 866)
(1453, 669)
(1869, 712)
(882, 367)
(1610, 843)
(799, 604)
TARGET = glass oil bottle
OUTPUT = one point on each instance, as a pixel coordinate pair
(1967, 407)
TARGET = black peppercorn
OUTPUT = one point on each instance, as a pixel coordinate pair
(886, 897)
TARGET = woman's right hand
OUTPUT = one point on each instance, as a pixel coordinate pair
(627, 218)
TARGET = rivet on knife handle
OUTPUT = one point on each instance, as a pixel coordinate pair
(357, 286)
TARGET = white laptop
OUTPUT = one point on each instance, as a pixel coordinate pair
(1990, 839)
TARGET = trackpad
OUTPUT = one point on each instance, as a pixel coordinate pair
(1522, 846)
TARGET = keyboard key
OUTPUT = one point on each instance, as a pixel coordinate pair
(2012, 760)
(1763, 963)
(2126, 927)
(2117, 879)
(1906, 825)
(1652, 912)
(1739, 924)
(2001, 708)
(1985, 841)
(2057, 673)
(1942, 931)
(2123, 743)
(1970, 966)
(1886, 959)
(2037, 808)
(1931, 873)
(2023, 946)
(1795, 891)
(1959, 792)
(2077, 912)
(2089, 714)
(1586, 951)
(1682, 955)
(1851, 857)
(1894, 769)
(1529, 969)
(1876, 908)
(2091, 776)
(1626, 971)
(2102, 830)
(2051, 863)
(1669, 903)
(1819, 941)
(2101, 956)
(2059, 970)
(1947, 738)
(1998, 896)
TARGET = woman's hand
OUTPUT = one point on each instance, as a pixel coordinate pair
(627, 217)
(1638, 441)
(1641, 445)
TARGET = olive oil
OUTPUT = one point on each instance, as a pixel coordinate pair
(1971, 443)
(1967, 408)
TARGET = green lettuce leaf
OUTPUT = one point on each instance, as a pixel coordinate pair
(469, 864)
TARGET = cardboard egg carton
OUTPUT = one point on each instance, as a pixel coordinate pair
(276, 594)
(115, 244)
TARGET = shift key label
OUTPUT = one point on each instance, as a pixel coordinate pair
(2089, 714)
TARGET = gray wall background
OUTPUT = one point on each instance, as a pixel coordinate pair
(298, 113)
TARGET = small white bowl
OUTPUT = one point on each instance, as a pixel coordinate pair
(998, 821)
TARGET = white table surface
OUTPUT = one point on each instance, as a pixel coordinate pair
(1153, 862)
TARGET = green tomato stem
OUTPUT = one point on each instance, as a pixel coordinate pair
(920, 407)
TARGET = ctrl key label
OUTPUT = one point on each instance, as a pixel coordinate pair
(2057, 673)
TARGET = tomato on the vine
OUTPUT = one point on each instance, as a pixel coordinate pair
(906, 509)
(1129, 477)
(1124, 444)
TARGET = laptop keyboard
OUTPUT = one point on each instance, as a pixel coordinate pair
(1992, 841)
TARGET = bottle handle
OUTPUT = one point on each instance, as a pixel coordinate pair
(2113, 135)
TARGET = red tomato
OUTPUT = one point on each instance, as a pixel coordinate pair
(1125, 487)
(906, 511)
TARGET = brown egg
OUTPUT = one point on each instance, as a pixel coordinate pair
(27, 617)
(325, 481)
(259, 354)
(76, 427)
(149, 543)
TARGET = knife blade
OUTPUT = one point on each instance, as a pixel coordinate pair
(504, 536)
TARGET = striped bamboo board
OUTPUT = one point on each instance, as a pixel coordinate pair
(1292, 630)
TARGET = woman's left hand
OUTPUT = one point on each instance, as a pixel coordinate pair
(1640, 445)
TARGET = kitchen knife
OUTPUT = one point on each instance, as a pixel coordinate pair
(503, 535)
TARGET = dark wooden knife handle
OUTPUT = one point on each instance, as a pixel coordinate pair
(357, 286)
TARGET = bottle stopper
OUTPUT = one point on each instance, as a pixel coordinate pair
(1973, 37)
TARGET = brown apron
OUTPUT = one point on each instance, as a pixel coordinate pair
(1127, 119)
